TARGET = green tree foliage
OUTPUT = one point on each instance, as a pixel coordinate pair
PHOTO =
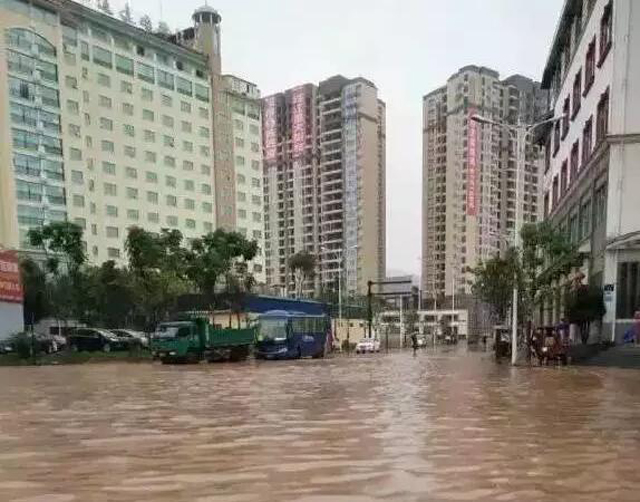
(110, 299)
(163, 29)
(158, 267)
(146, 24)
(302, 266)
(584, 305)
(104, 6)
(214, 256)
(545, 257)
(239, 282)
(494, 281)
(63, 249)
(36, 300)
(59, 241)
(161, 268)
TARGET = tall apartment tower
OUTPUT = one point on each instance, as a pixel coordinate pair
(243, 99)
(101, 124)
(324, 183)
(469, 175)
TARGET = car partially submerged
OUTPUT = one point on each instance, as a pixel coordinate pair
(368, 346)
(136, 339)
(95, 339)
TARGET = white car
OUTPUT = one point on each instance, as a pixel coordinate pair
(133, 337)
(368, 345)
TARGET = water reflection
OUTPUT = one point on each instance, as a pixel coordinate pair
(448, 426)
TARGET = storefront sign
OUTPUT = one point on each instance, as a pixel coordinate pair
(10, 283)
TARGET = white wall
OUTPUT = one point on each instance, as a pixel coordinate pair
(10, 319)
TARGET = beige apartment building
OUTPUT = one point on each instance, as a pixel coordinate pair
(243, 100)
(103, 124)
(469, 175)
(324, 183)
(109, 126)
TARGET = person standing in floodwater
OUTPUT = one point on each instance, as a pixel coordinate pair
(414, 342)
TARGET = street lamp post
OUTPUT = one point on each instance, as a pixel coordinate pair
(520, 133)
(339, 255)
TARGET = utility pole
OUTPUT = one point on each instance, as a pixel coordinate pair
(369, 307)
(520, 133)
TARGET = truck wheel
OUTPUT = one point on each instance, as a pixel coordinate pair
(238, 354)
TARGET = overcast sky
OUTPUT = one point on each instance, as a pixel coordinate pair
(407, 47)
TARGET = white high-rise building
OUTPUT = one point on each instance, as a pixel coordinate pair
(592, 175)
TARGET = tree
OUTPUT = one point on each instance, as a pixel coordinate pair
(238, 284)
(494, 281)
(125, 14)
(36, 300)
(146, 24)
(213, 256)
(302, 266)
(110, 296)
(584, 305)
(59, 240)
(158, 271)
(61, 243)
(547, 257)
(163, 29)
(105, 7)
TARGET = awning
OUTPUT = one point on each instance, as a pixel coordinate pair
(630, 240)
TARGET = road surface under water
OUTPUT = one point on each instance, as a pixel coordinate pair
(446, 426)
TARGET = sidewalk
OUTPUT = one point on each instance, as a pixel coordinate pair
(621, 356)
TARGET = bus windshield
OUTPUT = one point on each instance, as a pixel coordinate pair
(272, 329)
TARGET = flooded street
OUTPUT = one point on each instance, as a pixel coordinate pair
(383, 427)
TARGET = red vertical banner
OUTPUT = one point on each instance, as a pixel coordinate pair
(269, 128)
(298, 120)
(472, 165)
(10, 283)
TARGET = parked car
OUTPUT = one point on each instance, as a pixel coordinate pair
(133, 338)
(368, 345)
(50, 344)
(6, 347)
(95, 339)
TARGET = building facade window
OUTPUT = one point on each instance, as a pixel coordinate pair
(606, 32)
(590, 67)
(587, 141)
(556, 138)
(602, 124)
(575, 160)
(577, 94)
(566, 115)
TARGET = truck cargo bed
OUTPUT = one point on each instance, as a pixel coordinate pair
(230, 337)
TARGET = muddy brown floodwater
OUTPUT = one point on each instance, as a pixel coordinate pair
(445, 426)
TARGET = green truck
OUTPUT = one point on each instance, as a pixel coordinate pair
(196, 339)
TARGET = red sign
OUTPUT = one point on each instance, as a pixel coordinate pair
(10, 284)
(298, 120)
(472, 165)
